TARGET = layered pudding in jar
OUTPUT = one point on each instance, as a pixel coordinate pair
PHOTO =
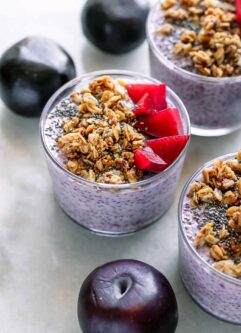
(210, 237)
(195, 47)
(115, 144)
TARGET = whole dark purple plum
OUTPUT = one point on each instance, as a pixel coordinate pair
(115, 26)
(31, 71)
(127, 296)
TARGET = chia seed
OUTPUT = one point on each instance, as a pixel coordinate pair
(217, 214)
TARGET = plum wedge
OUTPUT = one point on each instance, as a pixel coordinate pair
(145, 106)
(238, 11)
(168, 148)
(156, 91)
(164, 123)
(147, 160)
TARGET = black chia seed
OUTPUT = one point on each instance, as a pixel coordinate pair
(217, 214)
(64, 109)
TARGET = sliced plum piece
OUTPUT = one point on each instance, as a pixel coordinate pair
(146, 159)
(145, 106)
(156, 91)
(238, 11)
(168, 148)
(164, 123)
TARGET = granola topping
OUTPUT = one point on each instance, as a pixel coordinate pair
(208, 34)
(100, 140)
(219, 194)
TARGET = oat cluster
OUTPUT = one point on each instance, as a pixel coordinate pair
(209, 34)
(99, 142)
(221, 186)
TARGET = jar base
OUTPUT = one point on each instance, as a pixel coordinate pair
(111, 233)
(212, 132)
(202, 307)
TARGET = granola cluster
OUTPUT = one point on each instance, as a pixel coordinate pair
(221, 186)
(209, 34)
(99, 142)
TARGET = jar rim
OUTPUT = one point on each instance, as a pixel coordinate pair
(180, 219)
(87, 76)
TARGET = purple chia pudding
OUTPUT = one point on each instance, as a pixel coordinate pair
(216, 290)
(213, 103)
(108, 209)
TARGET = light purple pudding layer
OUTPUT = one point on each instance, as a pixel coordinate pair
(215, 292)
(104, 208)
(213, 104)
(114, 211)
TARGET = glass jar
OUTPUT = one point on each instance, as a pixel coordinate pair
(105, 208)
(216, 292)
(213, 103)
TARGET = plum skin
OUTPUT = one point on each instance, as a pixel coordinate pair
(31, 71)
(127, 296)
(115, 26)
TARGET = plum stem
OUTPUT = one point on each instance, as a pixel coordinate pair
(122, 285)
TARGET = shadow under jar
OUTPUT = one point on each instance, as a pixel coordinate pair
(110, 209)
(213, 103)
(217, 293)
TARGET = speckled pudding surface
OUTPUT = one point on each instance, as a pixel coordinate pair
(213, 103)
(112, 209)
(216, 292)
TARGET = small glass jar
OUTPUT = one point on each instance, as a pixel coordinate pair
(105, 208)
(213, 103)
(216, 292)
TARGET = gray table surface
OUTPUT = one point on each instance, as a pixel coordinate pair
(44, 256)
